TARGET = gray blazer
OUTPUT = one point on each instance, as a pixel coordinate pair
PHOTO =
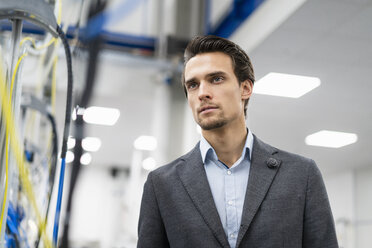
(286, 205)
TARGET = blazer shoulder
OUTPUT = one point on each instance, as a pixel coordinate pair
(298, 164)
(285, 156)
(293, 157)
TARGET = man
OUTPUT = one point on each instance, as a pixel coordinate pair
(232, 189)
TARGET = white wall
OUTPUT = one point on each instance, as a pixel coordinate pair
(363, 208)
(350, 195)
(98, 217)
(340, 188)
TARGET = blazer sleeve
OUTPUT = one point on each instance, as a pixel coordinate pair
(151, 231)
(319, 229)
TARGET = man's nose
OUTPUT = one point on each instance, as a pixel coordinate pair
(204, 91)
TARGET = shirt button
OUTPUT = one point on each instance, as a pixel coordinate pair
(230, 202)
(232, 236)
(228, 172)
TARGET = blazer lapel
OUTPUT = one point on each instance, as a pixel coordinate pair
(194, 179)
(263, 170)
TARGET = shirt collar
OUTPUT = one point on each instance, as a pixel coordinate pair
(207, 150)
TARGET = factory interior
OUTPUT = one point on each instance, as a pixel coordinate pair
(92, 101)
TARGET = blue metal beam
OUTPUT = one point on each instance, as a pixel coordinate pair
(111, 39)
(129, 41)
(238, 13)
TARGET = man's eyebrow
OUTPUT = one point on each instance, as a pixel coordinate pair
(209, 75)
(190, 80)
(216, 73)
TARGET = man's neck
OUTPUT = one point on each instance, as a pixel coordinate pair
(227, 141)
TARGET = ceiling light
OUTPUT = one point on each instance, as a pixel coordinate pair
(69, 156)
(91, 144)
(149, 164)
(148, 143)
(71, 142)
(285, 85)
(331, 139)
(86, 158)
(101, 116)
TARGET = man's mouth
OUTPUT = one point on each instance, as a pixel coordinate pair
(207, 109)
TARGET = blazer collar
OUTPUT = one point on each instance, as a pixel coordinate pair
(264, 166)
(194, 178)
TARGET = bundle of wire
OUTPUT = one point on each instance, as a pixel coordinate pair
(19, 211)
(53, 160)
(17, 149)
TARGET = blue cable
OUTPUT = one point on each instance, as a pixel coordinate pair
(59, 201)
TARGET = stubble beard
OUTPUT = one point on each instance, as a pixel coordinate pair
(208, 124)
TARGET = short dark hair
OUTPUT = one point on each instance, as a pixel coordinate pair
(242, 65)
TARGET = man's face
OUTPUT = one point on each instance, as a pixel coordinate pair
(214, 94)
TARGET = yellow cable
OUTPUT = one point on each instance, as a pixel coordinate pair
(28, 39)
(18, 154)
(59, 17)
(46, 45)
(15, 73)
(32, 40)
(6, 144)
(6, 176)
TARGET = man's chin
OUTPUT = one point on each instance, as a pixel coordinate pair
(210, 125)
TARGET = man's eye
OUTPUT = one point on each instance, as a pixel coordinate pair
(192, 85)
(218, 79)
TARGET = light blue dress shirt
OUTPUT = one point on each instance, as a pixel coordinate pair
(228, 185)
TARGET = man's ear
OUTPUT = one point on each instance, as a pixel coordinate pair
(246, 88)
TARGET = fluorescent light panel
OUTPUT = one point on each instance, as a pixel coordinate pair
(285, 85)
(69, 157)
(101, 115)
(71, 142)
(149, 164)
(86, 158)
(91, 144)
(147, 143)
(331, 139)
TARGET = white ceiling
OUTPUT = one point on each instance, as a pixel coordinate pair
(329, 39)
